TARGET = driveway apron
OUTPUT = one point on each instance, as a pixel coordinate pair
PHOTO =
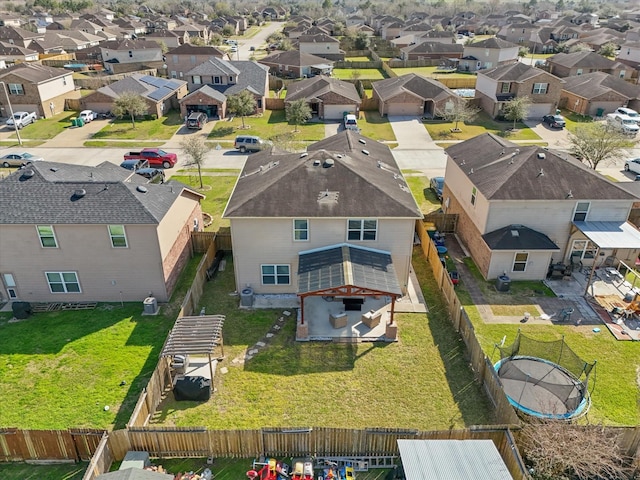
(410, 133)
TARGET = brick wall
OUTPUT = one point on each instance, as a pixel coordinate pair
(554, 89)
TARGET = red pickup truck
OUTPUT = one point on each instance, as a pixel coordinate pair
(155, 156)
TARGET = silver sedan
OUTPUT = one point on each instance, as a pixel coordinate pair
(18, 159)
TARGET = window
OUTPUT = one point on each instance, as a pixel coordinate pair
(181, 74)
(520, 39)
(63, 282)
(362, 229)
(474, 194)
(118, 238)
(622, 73)
(47, 237)
(505, 87)
(64, 80)
(217, 80)
(174, 74)
(174, 58)
(520, 262)
(193, 59)
(275, 274)
(231, 79)
(579, 71)
(540, 88)
(197, 80)
(582, 249)
(581, 211)
(301, 230)
(16, 89)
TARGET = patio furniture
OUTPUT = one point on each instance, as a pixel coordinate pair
(338, 320)
(372, 318)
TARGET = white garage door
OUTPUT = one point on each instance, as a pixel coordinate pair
(404, 109)
(539, 110)
(336, 112)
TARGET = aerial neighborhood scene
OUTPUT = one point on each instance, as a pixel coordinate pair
(320, 240)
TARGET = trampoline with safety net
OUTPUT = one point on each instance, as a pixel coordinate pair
(544, 379)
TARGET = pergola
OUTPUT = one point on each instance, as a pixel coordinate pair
(346, 270)
(199, 335)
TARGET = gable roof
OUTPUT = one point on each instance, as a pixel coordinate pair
(492, 42)
(12, 50)
(434, 47)
(318, 86)
(518, 237)
(155, 89)
(129, 44)
(305, 186)
(502, 170)
(111, 196)
(319, 38)
(250, 75)
(583, 59)
(188, 49)
(34, 72)
(296, 58)
(514, 72)
(594, 84)
(423, 87)
(205, 90)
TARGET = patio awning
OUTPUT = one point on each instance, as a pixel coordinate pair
(610, 235)
(194, 336)
(370, 271)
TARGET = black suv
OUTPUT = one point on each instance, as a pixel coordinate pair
(196, 120)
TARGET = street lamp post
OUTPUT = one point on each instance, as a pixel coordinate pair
(15, 124)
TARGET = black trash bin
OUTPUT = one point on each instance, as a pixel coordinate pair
(21, 310)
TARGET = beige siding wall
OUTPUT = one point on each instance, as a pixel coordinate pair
(460, 186)
(270, 241)
(103, 271)
(56, 87)
(536, 269)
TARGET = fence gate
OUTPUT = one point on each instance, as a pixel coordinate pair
(286, 442)
(86, 442)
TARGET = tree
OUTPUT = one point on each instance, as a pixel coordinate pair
(523, 51)
(195, 148)
(559, 450)
(459, 110)
(516, 109)
(608, 50)
(596, 142)
(579, 47)
(130, 103)
(362, 40)
(243, 104)
(228, 30)
(298, 112)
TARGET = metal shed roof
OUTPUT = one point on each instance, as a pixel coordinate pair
(611, 234)
(194, 335)
(452, 460)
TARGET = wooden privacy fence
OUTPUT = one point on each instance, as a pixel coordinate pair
(359, 64)
(444, 222)
(25, 445)
(274, 104)
(151, 395)
(100, 461)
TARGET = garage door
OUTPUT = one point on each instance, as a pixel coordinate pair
(539, 110)
(336, 112)
(404, 109)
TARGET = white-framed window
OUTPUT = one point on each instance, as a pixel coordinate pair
(174, 58)
(63, 282)
(275, 274)
(174, 74)
(579, 71)
(520, 262)
(181, 74)
(540, 88)
(47, 236)
(581, 211)
(622, 73)
(197, 79)
(362, 229)
(217, 80)
(474, 194)
(16, 89)
(118, 236)
(506, 86)
(583, 249)
(300, 230)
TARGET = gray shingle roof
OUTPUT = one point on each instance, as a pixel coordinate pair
(111, 196)
(492, 42)
(294, 57)
(425, 88)
(582, 59)
(250, 75)
(594, 84)
(514, 72)
(316, 87)
(518, 237)
(205, 90)
(434, 47)
(357, 185)
(504, 176)
(188, 49)
(35, 73)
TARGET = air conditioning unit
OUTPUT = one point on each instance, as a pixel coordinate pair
(150, 306)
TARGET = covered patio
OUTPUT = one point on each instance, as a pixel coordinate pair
(347, 292)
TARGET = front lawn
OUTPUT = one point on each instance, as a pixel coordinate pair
(162, 128)
(47, 128)
(272, 125)
(425, 198)
(441, 130)
(421, 382)
(574, 120)
(359, 73)
(376, 127)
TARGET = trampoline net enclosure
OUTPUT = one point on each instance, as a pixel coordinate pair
(545, 379)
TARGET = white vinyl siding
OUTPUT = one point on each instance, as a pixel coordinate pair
(47, 236)
(63, 282)
(362, 229)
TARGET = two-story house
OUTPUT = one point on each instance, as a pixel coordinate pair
(489, 53)
(629, 54)
(343, 199)
(130, 55)
(184, 58)
(499, 85)
(578, 63)
(519, 33)
(16, 54)
(36, 88)
(322, 46)
(521, 208)
(79, 233)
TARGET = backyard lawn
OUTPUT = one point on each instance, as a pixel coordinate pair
(425, 198)
(431, 72)
(441, 130)
(272, 125)
(376, 127)
(162, 128)
(360, 73)
(23, 471)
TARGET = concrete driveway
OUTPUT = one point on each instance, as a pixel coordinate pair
(557, 139)
(410, 133)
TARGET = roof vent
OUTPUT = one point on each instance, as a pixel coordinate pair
(541, 156)
(28, 173)
(362, 141)
(515, 233)
(305, 154)
(54, 169)
(81, 192)
(338, 156)
(541, 173)
(328, 163)
(142, 189)
(366, 152)
(316, 163)
(471, 171)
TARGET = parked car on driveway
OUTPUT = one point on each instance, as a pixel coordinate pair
(18, 159)
(623, 123)
(628, 112)
(21, 119)
(632, 165)
(135, 164)
(250, 143)
(437, 185)
(88, 116)
(554, 121)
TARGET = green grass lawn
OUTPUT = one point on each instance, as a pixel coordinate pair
(23, 471)
(425, 198)
(376, 127)
(47, 128)
(574, 120)
(162, 128)
(25, 143)
(357, 59)
(422, 381)
(440, 130)
(361, 73)
(272, 125)
(430, 72)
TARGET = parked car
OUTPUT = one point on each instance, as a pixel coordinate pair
(351, 122)
(88, 116)
(628, 112)
(156, 157)
(250, 143)
(554, 121)
(135, 164)
(196, 120)
(623, 123)
(18, 159)
(632, 165)
(21, 120)
(154, 175)
(437, 185)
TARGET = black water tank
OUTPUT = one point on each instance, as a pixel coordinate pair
(21, 310)
(503, 283)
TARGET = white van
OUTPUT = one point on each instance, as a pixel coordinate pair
(623, 123)
(351, 122)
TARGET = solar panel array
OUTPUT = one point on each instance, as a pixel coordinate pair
(163, 87)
